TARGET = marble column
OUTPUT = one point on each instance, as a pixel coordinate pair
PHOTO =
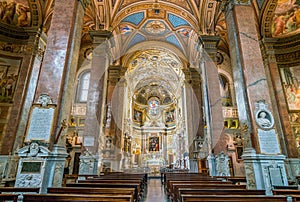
(57, 75)
(262, 155)
(94, 130)
(53, 95)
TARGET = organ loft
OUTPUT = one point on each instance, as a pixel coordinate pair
(92, 87)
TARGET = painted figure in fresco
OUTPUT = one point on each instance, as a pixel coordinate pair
(279, 24)
(170, 116)
(291, 23)
(153, 107)
(22, 15)
(9, 12)
(297, 16)
(137, 116)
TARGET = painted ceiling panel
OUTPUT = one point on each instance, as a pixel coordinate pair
(135, 18)
(155, 27)
(177, 21)
(173, 40)
(136, 39)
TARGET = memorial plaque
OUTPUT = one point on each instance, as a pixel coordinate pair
(268, 142)
(276, 177)
(31, 167)
(88, 141)
(40, 123)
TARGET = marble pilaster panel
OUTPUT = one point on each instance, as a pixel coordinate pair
(213, 88)
(97, 92)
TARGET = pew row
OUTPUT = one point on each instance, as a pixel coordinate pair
(75, 197)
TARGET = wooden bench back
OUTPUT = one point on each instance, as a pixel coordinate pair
(74, 198)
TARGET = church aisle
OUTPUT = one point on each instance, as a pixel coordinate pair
(155, 191)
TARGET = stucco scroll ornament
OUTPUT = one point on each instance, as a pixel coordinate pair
(44, 100)
(29, 180)
(264, 118)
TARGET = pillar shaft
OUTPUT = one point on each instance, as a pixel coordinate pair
(248, 68)
(60, 59)
(97, 93)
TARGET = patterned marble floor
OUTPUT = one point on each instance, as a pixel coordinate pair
(155, 191)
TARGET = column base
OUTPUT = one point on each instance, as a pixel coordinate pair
(40, 167)
(293, 169)
(88, 164)
(264, 171)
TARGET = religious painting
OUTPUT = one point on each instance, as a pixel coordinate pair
(286, 18)
(170, 116)
(8, 80)
(137, 116)
(153, 107)
(239, 152)
(291, 85)
(15, 13)
(153, 144)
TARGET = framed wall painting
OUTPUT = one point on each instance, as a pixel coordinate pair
(291, 84)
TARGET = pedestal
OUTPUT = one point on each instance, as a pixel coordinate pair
(8, 169)
(293, 169)
(88, 164)
(264, 171)
(40, 167)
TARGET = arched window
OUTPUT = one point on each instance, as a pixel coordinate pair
(225, 90)
(83, 87)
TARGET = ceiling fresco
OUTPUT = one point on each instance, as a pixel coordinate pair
(15, 12)
(286, 20)
(177, 21)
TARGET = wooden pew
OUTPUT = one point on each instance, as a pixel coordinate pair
(97, 191)
(239, 198)
(136, 186)
(74, 198)
(170, 187)
(294, 194)
(9, 197)
(205, 191)
(174, 194)
(19, 189)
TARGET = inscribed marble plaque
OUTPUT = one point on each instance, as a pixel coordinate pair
(31, 167)
(40, 124)
(268, 142)
(276, 176)
(88, 141)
